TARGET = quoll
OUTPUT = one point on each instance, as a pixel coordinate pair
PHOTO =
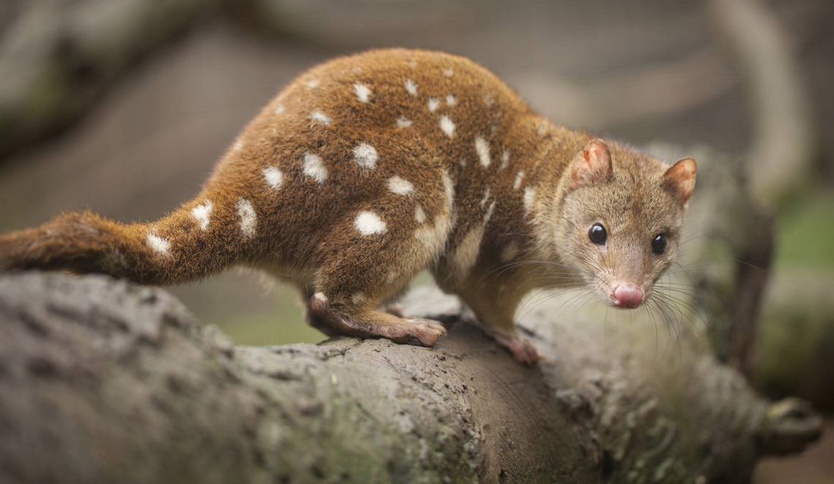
(369, 168)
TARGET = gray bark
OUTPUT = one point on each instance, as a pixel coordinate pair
(103, 381)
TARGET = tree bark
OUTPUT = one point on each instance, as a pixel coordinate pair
(104, 381)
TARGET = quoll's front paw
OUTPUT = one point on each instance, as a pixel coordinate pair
(425, 331)
(521, 348)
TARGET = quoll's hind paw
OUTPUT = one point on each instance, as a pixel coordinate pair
(425, 331)
(521, 348)
(374, 324)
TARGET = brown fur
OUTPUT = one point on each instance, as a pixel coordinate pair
(476, 243)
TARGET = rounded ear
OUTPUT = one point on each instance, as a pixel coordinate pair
(680, 178)
(591, 165)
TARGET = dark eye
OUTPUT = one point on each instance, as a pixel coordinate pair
(597, 234)
(659, 244)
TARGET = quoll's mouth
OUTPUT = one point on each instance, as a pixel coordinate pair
(626, 296)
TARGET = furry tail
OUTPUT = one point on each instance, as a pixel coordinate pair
(191, 242)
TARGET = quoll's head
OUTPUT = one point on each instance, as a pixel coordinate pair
(620, 220)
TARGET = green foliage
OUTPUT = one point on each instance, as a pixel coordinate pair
(806, 232)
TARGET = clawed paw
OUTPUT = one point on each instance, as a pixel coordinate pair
(373, 324)
(521, 348)
(425, 331)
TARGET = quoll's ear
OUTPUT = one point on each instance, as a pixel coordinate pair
(592, 164)
(680, 178)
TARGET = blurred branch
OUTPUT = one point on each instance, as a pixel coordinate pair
(795, 354)
(659, 90)
(784, 143)
(57, 57)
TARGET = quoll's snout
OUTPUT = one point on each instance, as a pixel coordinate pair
(626, 296)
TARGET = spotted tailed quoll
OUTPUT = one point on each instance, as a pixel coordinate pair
(370, 168)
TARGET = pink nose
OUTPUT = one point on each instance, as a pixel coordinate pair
(627, 296)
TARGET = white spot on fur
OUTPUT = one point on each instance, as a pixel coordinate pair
(489, 212)
(320, 296)
(358, 298)
(314, 167)
(519, 177)
(202, 213)
(419, 215)
(403, 122)
(411, 87)
(363, 92)
(434, 103)
(392, 276)
(273, 176)
(449, 189)
(462, 162)
(432, 238)
(365, 156)
(279, 109)
(400, 186)
(450, 100)
(448, 72)
(505, 159)
(158, 244)
(488, 100)
(542, 129)
(485, 197)
(482, 148)
(320, 117)
(467, 252)
(447, 126)
(238, 145)
(529, 197)
(247, 217)
(369, 223)
(509, 252)
(313, 83)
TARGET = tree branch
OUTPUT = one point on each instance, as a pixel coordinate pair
(103, 381)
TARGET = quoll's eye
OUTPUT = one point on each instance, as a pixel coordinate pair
(659, 244)
(597, 234)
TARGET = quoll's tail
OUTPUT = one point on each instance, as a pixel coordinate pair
(194, 241)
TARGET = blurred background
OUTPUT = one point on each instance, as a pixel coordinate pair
(124, 106)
